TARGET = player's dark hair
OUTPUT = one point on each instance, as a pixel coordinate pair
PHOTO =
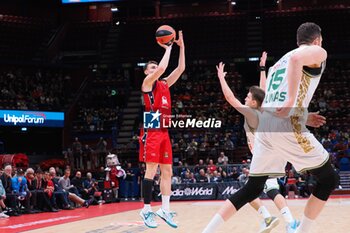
(258, 94)
(307, 33)
(148, 63)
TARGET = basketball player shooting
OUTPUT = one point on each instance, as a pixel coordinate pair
(155, 146)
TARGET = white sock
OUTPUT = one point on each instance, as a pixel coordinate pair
(264, 212)
(214, 224)
(166, 203)
(147, 208)
(305, 225)
(287, 215)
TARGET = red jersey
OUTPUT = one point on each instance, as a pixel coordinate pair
(159, 99)
(155, 146)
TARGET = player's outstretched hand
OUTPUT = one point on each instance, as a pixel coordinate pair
(180, 40)
(165, 46)
(263, 59)
(315, 120)
(220, 69)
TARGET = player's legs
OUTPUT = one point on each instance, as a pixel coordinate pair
(272, 191)
(165, 160)
(327, 180)
(146, 213)
(250, 191)
(151, 169)
(257, 204)
(269, 222)
(281, 204)
(149, 153)
(165, 188)
(307, 153)
(165, 183)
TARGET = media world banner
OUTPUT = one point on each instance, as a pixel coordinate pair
(225, 190)
(203, 191)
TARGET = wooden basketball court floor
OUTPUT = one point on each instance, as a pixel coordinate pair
(192, 218)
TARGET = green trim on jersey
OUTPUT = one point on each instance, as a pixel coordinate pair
(267, 174)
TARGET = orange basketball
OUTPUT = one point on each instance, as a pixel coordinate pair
(165, 35)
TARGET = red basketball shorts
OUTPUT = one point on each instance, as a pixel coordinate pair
(155, 147)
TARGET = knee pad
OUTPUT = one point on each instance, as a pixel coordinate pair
(272, 193)
(250, 191)
(327, 181)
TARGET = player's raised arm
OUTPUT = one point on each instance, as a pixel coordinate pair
(249, 113)
(311, 56)
(151, 78)
(262, 67)
(174, 76)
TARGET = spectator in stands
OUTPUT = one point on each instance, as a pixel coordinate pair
(36, 186)
(62, 197)
(58, 170)
(220, 170)
(310, 182)
(216, 178)
(188, 179)
(129, 182)
(68, 156)
(141, 174)
(192, 149)
(181, 169)
(11, 199)
(243, 178)
(225, 178)
(203, 147)
(31, 183)
(234, 174)
(73, 195)
(228, 145)
(77, 182)
(157, 179)
(222, 158)
(91, 185)
(301, 184)
(211, 167)
(199, 166)
(77, 150)
(291, 184)
(19, 187)
(101, 151)
(3, 207)
(87, 157)
(101, 175)
(202, 177)
(182, 144)
(49, 188)
(193, 177)
(175, 180)
(43, 200)
(65, 183)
